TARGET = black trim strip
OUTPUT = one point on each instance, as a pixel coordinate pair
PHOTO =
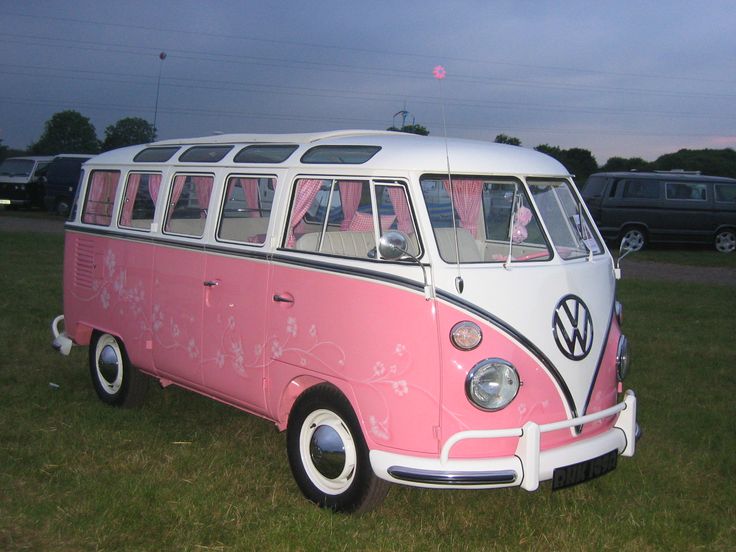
(351, 270)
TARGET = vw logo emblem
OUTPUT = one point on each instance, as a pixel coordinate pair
(573, 327)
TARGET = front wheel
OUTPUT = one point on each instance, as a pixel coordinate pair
(115, 380)
(328, 454)
(726, 241)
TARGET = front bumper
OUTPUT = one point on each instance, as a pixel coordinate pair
(526, 468)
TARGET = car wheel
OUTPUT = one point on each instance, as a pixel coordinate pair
(634, 239)
(726, 241)
(115, 380)
(328, 454)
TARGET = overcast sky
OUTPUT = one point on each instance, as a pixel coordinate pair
(625, 78)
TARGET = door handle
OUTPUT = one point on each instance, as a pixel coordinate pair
(211, 283)
(283, 298)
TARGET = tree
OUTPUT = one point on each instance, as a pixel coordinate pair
(618, 164)
(511, 140)
(411, 129)
(578, 161)
(127, 132)
(708, 161)
(66, 132)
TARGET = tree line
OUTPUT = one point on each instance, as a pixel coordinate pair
(582, 163)
(71, 132)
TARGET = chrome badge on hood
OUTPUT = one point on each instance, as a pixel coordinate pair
(573, 327)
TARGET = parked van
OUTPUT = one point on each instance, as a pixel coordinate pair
(20, 183)
(658, 207)
(401, 322)
(61, 180)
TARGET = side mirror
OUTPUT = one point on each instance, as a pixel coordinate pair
(623, 250)
(393, 245)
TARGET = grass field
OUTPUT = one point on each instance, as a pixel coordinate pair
(186, 473)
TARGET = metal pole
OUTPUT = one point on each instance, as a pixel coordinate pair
(162, 57)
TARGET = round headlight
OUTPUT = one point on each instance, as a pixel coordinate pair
(492, 384)
(466, 336)
(623, 358)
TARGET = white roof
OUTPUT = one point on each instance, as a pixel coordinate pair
(399, 152)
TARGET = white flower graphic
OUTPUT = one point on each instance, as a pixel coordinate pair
(400, 349)
(192, 349)
(377, 428)
(291, 326)
(276, 349)
(400, 387)
(105, 298)
(379, 369)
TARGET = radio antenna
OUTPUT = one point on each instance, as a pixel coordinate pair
(439, 74)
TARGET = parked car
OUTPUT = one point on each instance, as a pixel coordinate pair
(20, 181)
(61, 181)
(667, 206)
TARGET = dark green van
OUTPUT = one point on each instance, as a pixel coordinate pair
(659, 207)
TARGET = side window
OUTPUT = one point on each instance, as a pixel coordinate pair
(139, 200)
(726, 193)
(190, 197)
(246, 209)
(686, 190)
(100, 197)
(345, 217)
(641, 189)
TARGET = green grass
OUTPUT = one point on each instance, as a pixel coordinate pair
(691, 257)
(187, 473)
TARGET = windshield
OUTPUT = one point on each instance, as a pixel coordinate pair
(16, 167)
(493, 220)
(569, 228)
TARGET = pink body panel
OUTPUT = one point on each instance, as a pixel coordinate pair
(382, 343)
(374, 340)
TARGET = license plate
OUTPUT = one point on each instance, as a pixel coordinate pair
(567, 476)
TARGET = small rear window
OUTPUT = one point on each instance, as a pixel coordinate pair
(265, 154)
(155, 155)
(340, 155)
(204, 154)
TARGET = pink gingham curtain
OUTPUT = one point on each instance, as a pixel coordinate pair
(466, 195)
(305, 193)
(350, 192)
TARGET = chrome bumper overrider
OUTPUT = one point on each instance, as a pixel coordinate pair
(61, 341)
(526, 468)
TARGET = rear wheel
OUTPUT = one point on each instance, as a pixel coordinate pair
(328, 454)
(726, 241)
(634, 238)
(115, 380)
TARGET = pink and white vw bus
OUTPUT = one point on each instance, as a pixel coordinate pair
(413, 310)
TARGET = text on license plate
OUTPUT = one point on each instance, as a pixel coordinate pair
(586, 470)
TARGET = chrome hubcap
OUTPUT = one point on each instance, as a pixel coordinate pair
(327, 451)
(109, 364)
